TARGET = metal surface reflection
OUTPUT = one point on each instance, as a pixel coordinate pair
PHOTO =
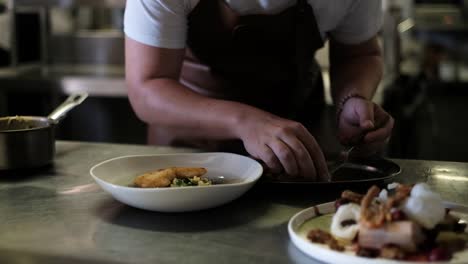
(450, 177)
(81, 189)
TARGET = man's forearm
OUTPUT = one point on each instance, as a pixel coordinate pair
(166, 102)
(157, 96)
(355, 69)
(359, 76)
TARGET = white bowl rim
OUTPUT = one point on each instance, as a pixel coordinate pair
(224, 185)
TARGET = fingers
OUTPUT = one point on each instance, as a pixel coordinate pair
(375, 140)
(285, 144)
(374, 123)
(381, 134)
(304, 160)
(269, 158)
(299, 153)
(366, 115)
(358, 118)
(285, 156)
(384, 129)
(367, 125)
(316, 154)
(359, 112)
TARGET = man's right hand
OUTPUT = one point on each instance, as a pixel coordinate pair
(283, 145)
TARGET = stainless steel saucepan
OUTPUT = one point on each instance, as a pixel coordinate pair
(29, 141)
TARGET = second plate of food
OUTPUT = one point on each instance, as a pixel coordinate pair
(317, 221)
(224, 177)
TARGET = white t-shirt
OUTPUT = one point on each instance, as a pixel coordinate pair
(163, 23)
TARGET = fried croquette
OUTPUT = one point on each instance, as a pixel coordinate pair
(164, 177)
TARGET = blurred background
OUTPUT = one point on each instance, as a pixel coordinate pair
(51, 48)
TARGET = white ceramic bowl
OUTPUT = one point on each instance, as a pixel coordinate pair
(237, 174)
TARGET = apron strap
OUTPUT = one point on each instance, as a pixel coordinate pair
(307, 72)
(301, 53)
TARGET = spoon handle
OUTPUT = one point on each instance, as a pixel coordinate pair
(344, 159)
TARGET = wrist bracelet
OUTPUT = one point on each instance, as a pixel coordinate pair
(343, 102)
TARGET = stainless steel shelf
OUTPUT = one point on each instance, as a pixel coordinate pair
(97, 80)
(71, 3)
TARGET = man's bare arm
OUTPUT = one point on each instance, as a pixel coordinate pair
(355, 68)
(158, 97)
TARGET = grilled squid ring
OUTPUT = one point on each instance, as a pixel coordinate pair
(345, 221)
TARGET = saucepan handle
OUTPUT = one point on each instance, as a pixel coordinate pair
(61, 111)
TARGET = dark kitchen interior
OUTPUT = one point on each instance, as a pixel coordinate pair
(54, 49)
(84, 180)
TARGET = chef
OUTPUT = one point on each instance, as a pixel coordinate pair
(215, 73)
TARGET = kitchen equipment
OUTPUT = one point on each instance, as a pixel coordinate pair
(29, 141)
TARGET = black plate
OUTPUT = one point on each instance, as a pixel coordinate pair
(381, 170)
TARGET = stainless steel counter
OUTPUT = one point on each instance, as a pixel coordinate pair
(58, 215)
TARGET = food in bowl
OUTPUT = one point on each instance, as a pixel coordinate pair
(173, 177)
(402, 222)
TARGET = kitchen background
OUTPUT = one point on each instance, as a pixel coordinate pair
(51, 48)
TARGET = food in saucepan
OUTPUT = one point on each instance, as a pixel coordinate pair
(17, 123)
(173, 177)
(403, 222)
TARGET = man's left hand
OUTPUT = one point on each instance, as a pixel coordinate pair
(364, 124)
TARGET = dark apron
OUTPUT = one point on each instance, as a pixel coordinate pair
(267, 61)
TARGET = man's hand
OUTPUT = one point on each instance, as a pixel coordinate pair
(283, 145)
(364, 124)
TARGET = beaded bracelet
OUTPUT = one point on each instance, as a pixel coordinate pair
(343, 102)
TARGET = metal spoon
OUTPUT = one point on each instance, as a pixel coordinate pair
(340, 164)
(344, 162)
